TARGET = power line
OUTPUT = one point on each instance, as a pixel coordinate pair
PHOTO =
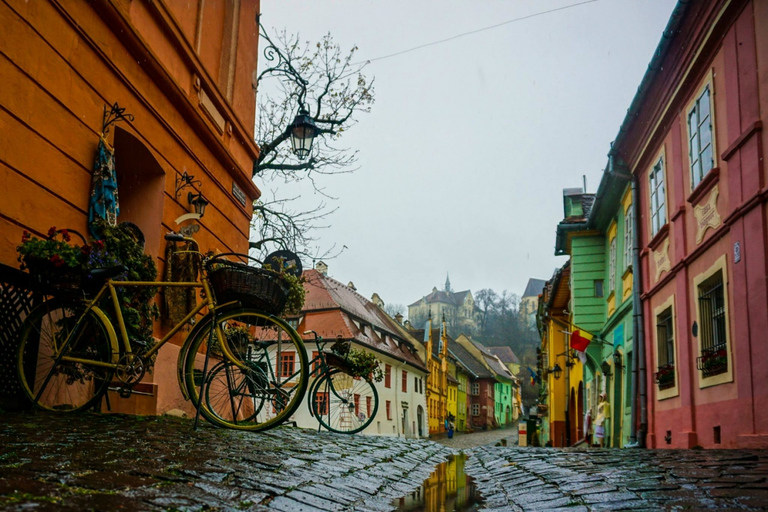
(433, 43)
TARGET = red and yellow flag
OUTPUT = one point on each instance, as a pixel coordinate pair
(580, 339)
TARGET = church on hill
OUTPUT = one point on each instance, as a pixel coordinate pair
(459, 309)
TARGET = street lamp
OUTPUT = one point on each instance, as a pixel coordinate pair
(556, 371)
(198, 202)
(617, 359)
(302, 131)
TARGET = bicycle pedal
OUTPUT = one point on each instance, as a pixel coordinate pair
(125, 392)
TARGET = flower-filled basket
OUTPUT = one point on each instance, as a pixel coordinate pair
(357, 363)
(53, 262)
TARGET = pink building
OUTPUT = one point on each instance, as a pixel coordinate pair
(693, 140)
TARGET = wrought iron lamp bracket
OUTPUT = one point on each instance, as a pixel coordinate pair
(114, 115)
(185, 180)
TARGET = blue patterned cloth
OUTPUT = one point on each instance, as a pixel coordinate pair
(104, 203)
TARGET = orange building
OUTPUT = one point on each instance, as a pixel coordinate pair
(184, 69)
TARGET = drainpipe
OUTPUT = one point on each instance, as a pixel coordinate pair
(397, 400)
(638, 362)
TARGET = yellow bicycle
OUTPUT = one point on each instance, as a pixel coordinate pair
(70, 353)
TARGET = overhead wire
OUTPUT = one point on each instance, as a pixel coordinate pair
(471, 32)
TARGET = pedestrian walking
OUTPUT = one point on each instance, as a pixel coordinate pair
(451, 427)
(603, 413)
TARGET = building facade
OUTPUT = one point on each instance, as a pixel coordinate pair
(336, 311)
(184, 72)
(693, 141)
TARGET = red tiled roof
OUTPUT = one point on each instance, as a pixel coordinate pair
(332, 310)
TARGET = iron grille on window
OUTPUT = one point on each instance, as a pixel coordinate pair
(665, 376)
(714, 353)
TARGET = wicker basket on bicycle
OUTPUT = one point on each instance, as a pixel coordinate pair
(252, 287)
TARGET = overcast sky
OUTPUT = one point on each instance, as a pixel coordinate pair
(470, 142)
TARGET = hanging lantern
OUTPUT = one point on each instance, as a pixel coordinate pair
(302, 131)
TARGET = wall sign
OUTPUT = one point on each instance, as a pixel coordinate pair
(238, 193)
(736, 252)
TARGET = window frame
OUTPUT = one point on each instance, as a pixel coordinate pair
(719, 266)
(284, 361)
(404, 380)
(628, 236)
(663, 311)
(389, 409)
(387, 376)
(658, 208)
(696, 167)
(613, 247)
(475, 389)
(475, 409)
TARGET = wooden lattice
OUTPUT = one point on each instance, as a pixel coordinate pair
(16, 300)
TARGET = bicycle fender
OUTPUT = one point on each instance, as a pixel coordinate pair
(110, 331)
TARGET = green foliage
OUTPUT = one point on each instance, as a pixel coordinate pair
(55, 249)
(296, 291)
(122, 245)
(359, 363)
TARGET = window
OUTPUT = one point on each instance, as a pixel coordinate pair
(665, 343)
(612, 265)
(415, 384)
(405, 381)
(287, 360)
(598, 287)
(658, 198)
(628, 231)
(369, 405)
(357, 405)
(322, 403)
(712, 327)
(475, 388)
(293, 322)
(387, 376)
(316, 364)
(389, 410)
(700, 138)
(475, 409)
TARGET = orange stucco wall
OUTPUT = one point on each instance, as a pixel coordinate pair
(164, 61)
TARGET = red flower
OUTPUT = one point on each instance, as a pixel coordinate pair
(25, 236)
(57, 261)
(86, 250)
(52, 231)
(65, 235)
(99, 244)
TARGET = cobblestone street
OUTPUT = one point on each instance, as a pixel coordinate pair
(109, 462)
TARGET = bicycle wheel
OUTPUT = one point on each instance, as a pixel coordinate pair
(344, 404)
(68, 385)
(267, 390)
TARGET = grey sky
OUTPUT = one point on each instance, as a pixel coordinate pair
(469, 144)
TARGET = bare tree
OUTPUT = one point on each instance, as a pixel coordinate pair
(322, 81)
(394, 309)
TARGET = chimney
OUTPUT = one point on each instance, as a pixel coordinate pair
(377, 300)
(322, 268)
(399, 318)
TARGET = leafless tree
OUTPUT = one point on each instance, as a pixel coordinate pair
(393, 309)
(327, 83)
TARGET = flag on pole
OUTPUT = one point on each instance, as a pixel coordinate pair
(580, 339)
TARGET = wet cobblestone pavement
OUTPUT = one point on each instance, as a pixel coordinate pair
(112, 462)
(534, 479)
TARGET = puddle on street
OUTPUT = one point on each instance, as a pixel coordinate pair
(448, 489)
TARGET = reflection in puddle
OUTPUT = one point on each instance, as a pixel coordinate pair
(448, 489)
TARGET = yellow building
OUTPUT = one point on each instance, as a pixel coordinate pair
(562, 372)
(461, 400)
(453, 392)
(436, 343)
